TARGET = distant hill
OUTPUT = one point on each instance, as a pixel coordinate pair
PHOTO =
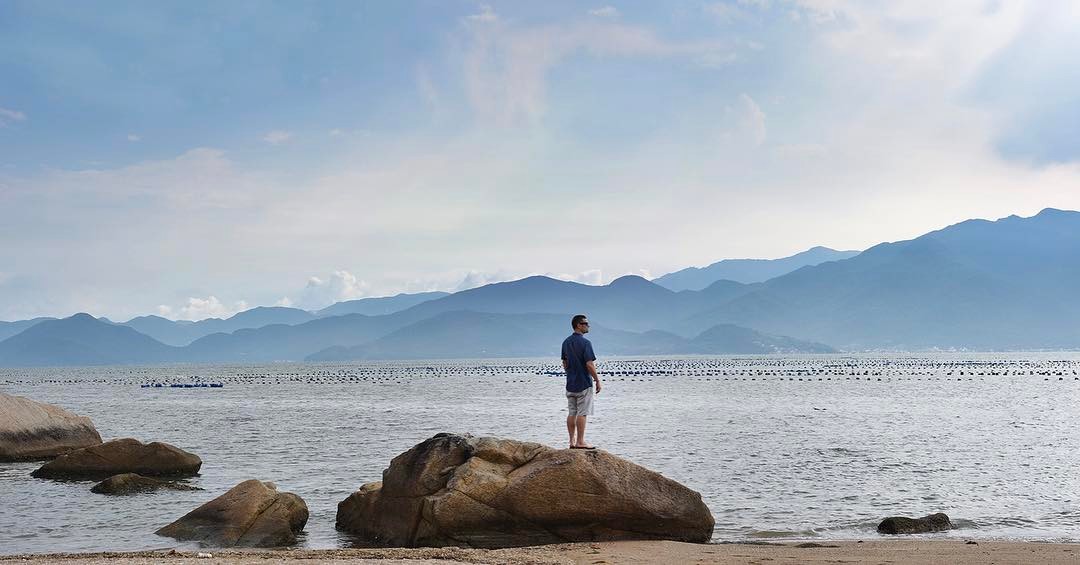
(81, 340)
(628, 303)
(379, 306)
(280, 342)
(184, 332)
(8, 329)
(464, 334)
(1005, 284)
(748, 271)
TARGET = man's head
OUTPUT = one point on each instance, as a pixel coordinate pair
(580, 323)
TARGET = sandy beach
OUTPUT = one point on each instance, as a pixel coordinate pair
(915, 552)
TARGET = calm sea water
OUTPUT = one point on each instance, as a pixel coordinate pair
(779, 447)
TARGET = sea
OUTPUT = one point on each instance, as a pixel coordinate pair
(814, 447)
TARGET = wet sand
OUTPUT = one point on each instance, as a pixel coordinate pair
(911, 551)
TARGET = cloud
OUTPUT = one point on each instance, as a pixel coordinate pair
(751, 120)
(605, 12)
(590, 276)
(486, 15)
(277, 137)
(202, 308)
(197, 179)
(7, 116)
(339, 286)
(474, 278)
(506, 67)
(133, 137)
(725, 12)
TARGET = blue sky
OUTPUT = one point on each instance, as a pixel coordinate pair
(193, 159)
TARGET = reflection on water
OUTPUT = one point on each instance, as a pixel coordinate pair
(789, 447)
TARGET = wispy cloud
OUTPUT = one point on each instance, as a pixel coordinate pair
(506, 67)
(132, 137)
(487, 15)
(7, 116)
(277, 137)
(605, 12)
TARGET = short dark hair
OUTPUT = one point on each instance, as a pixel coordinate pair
(577, 320)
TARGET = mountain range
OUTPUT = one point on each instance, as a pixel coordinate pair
(1005, 284)
(748, 271)
(465, 334)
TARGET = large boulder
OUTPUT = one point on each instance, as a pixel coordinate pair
(133, 483)
(900, 525)
(32, 430)
(490, 492)
(118, 456)
(251, 514)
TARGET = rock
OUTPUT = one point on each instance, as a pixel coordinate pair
(132, 483)
(900, 525)
(118, 456)
(251, 514)
(489, 492)
(32, 430)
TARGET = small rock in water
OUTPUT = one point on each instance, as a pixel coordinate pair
(132, 483)
(251, 514)
(202, 555)
(120, 456)
(901, 525)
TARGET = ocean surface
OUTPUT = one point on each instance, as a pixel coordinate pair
(819, 447)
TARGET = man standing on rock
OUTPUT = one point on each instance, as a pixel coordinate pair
(579, 361)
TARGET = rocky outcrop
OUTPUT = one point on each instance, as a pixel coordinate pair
(900, 525)
(490, 492)
(251, 514)
(132, 483)
(32, 430)
(119, 456)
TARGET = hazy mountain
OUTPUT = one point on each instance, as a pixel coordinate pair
(748, 270)
(379, 306)
(465, 334)
(1003, 284)
(729, 338)
(629, 303)
(81, 340)
(281, 342)
(183, 332)
(8, 329)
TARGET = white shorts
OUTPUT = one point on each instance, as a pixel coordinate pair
(580, 403)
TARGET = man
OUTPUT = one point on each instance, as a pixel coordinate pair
(579, 363)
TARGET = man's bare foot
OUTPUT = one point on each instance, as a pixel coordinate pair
(583, 446)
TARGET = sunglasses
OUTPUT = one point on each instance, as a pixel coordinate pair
(583, 323)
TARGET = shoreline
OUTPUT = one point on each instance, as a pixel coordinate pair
(914, 551)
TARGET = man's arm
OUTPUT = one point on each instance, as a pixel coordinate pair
(564, 365)
(591, 366)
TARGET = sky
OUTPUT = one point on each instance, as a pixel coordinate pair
(193, 159)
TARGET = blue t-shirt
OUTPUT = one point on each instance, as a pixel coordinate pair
(576, 351)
